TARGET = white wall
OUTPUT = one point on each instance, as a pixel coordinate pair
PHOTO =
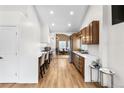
(115, 48)
(45, 33)
(29, 48)
(9, 18)
(28, 29)
(44, 26)
(53, 41)
(93, 13)
(111, 46)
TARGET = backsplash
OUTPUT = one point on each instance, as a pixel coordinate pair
(92, 49)
(84, 47)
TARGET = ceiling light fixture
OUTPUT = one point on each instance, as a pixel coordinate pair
(71, 12)
(51, 12)
(53, 24)
(69, 25)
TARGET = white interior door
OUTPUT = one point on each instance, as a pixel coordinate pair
(8, 55)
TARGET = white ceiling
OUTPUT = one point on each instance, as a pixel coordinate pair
(17, 8)
(61, 17)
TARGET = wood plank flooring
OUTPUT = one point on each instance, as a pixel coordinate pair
(61, 74)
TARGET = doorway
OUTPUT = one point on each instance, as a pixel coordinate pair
(62, 44)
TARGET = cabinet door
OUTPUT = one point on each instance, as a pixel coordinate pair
(95, 32)
(79, 34)
(83, 36)
(74, 44)
(90, 30)
(81, 63)
(77, 61)
(74, 59)
(71, 43)
(88, 35)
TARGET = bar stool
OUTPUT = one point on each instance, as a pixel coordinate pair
(91, 68)
(47, 60)
(50, 56)
(107, 72)
(42, 60)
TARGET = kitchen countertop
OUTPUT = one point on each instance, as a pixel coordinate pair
(87, 56)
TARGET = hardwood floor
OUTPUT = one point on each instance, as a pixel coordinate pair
(61, 74)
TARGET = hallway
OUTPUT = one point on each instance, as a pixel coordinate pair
(61, 74)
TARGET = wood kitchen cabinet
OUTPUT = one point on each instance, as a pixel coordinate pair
(83, 36)
(75, 42)
(90, 34)
(87, 35)
(94, 31)
(78, 62)
(78, 34)
(81, 65)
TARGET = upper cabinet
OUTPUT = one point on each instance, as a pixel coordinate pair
(78, 34)
(94, 29)
(90, 34)
(75, 41)
(83, 35)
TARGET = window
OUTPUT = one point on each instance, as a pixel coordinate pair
(62, 45)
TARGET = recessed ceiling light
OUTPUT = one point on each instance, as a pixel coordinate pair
(53, 24)
(71, 12)
(69, 25)
(51, 12)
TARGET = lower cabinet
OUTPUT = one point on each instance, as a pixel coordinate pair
(78, 61)
(81, 65)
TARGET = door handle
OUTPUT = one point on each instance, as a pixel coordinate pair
(1, 57)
